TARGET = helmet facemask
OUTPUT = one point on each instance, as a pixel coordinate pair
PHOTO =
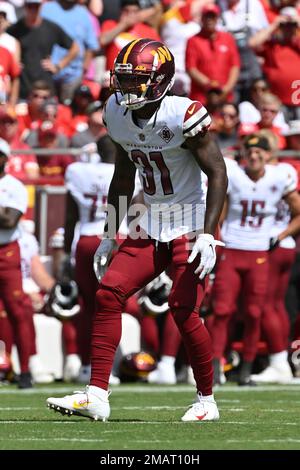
(138, 88)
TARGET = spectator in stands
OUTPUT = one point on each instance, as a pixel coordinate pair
(178, 24)
(116, 34)
(6, 40)
(249, 112)
(9, 77)
(54, 164)
(279, 45)
(81, 100)
(30, 114)
(204, 51)
(10, 12)
(74, 19)
(9, 62)
(20, 165)
(96, 132)
(227, 126)
(49, 112)
(38, 37)
(269, 107)
(13, 204)
(243, 18)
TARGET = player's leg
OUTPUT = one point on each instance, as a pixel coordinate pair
(88, 286)
(170, 344)
(225, 291)
(286, 259)
(255, 281)
(275, 322)
(184, 300)
(135, 264)
(11, 292)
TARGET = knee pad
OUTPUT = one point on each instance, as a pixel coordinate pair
(108, 298)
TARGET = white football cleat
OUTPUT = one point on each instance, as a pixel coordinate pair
(82, 403)
(71, 367)
(279, 374)
(163, 374)
(38, 373)
(202, 410)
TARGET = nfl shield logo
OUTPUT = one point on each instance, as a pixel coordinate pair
(166, 134)
(142, 137)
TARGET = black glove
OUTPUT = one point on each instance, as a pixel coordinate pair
(274, 242)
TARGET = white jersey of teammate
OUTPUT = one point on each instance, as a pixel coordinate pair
(283, 215)
(13, 194)
(252, 207)
(169, 174)
(89, 184)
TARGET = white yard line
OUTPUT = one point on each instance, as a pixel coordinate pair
(155, 389)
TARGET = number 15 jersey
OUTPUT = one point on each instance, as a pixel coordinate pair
(169, 174)
(252, 207)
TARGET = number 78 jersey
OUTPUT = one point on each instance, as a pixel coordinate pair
(169, 174)
(252, 206)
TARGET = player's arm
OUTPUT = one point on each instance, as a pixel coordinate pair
(119, 197)
(40, 275)
(71, 219)
(293, 201)
(9, 217)
(120, 192)
(209, 157)
(224, 211)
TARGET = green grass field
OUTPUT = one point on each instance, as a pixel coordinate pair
(148, 417)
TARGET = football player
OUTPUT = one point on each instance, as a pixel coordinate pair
(254, 192)
(13, 204)
(275, 319)
(166, 138)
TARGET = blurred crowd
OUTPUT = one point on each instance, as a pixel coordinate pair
(240, 58)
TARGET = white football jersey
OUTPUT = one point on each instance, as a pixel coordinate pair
(13, 194)
(169, 174)
(283, 215)
(252, 207)
(89, 184)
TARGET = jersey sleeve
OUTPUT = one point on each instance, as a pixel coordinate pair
(291, 181)
(196, 120)
(16, 196)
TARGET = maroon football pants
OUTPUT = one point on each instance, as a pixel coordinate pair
(275, 319)
(88, 286)
(245, 274)
(14, 300)
(136, 264)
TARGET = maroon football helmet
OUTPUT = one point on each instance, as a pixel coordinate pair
(143, 73)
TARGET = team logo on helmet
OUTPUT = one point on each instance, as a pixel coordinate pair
(143, 73)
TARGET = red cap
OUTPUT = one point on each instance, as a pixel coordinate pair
(47, 128)
(211, 8)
